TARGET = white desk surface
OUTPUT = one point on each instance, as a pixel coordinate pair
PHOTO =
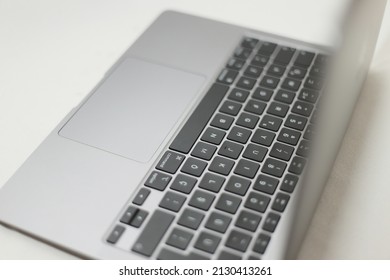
(52, 53)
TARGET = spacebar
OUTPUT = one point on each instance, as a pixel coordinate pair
(153, 232)
(193, 127)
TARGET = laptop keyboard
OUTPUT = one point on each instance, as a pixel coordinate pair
(228, 175)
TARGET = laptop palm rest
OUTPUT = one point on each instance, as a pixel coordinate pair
(134, 109)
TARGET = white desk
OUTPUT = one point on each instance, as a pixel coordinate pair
(53, 52)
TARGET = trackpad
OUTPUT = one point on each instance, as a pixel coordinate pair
(134, 109)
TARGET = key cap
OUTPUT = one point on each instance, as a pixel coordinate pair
(321, 59)
(263, 94)
(291, 84)
(278, 109)
(266, 184)
(139, 218)
(153, 232)
(239, 95)
(211, 182)
(314, 83)
(297, 165)
(221, 165)
(238, 241)
(302, 108)
(267, 48)
(276, 70)
(260, 60)
(270, 122)
(317, 71)
(158, 180)
(129, 214)
(248, 221)
(115, 234)
(141, 196)
(247, 120)
(284, 55)
(224, 255)
(239, 134)
(218, 222)
(194, 167)
(280, 202)
(246, 83)
(246, 168)
(253, 71)
(242, 53)
(281, 151)
(190, 219)
(295, 121)
(263, 137)
(309, 132)
(297, 73)
(303, 148)
(261, 243)
(201, 200)
(274, 167)
(213, 135)
(289, 182)
(271, 221)
(249, 43)
(255, 152)
(285, 96)
(237, 185)
(172, 201)
(251, 257)
(230, 108)
(257, 202)
(166, 254)
(183, 183)
(235, 64)
(289, 136)
(222, 121)
(255, 107)
(304, 59)
(269, 82)
(179, 238)
(308, 95)
(203, 150)
(228, 203)
(230, 149)
(170, 162)
(207, 242)
(190, 132)
(227, 76)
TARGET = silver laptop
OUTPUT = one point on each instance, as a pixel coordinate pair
(204, 141)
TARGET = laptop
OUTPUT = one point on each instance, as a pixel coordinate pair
(205, 140)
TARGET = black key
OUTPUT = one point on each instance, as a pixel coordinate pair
(247, 120)
(141, 196)
(179, 238)
(248, 221)
(230, 108)
(249, 43)
(271, 221)
(194, 167)
(158, 180)
(230, 149)
(297, 165)
(304, 59)
(115, 234)
(276, 70)
(239, 134)
(314, 83)
(201, 200)
(213, 135)
(289, 136)
(246, 83)
(263, 137)
(281, 151)
(190, 132)
(227, 76)
(190, 219)
(308, 95)
(261, 243)
(239, 95)
(237, 185)
(207, 242)
(302, 108)
(238, 240)
(221, 165)
(284, 55)
(218, 222)
(255, 152)
(253, 71)
(139, 218)
(251, 257)
(246, 168)
(183, 183)
(260, 60)
(317, 71)
(278, 109)
(309, 132)
(289, 183)
(166, 254)
(224, 255)
(257, 202)
(203, 150)
(267, 48)
(297, 73)
(235, 63)
(222, 121)
(170, 162)
(285, 96)
(271, 123)
(295, 121)
(211, 182)
(255, 107)
(266, 184)
(153, 232)
(270, 82)
(242, 53)
(303, 148)
(280, 202)
(274, 167)
(263, 94)
(129, 214)
(172, 201)
(228, 203)
(291, 84)
(321, 59)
